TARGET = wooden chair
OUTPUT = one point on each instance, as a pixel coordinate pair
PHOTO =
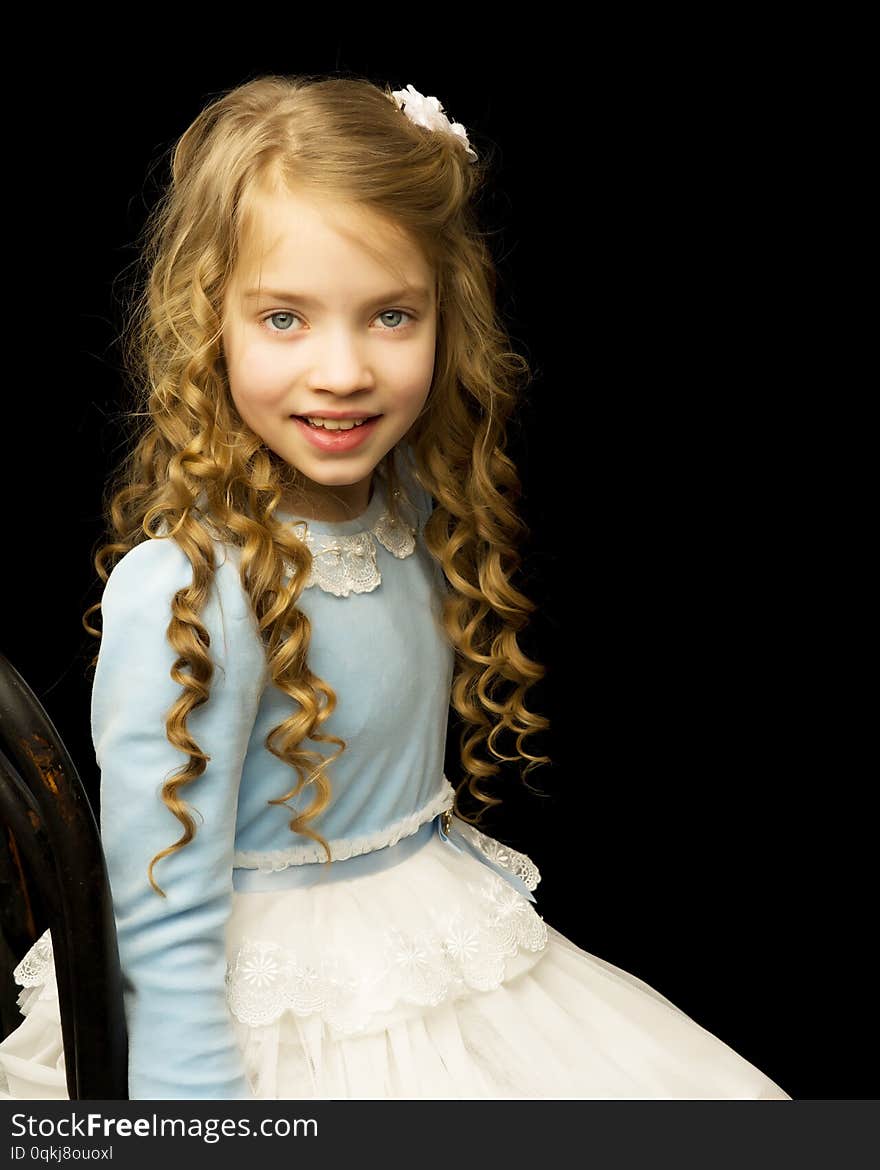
(54, 860)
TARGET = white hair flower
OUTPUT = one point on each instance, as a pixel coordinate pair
(428, 112)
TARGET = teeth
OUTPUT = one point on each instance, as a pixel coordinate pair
(340, 424)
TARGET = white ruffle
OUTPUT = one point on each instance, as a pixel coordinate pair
(516, 863)
(35, 974)
(437, 979)
(385, 947)
(307, 852)
(461, 990)
(31, 971)
(571, 1027)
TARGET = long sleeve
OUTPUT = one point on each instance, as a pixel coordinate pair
(172, 950)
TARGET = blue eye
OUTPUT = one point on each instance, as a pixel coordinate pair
(296, 317)
(280, 314)
(394, 313)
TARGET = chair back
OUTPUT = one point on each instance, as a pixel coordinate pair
(55, 847)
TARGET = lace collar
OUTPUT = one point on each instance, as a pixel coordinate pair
(344, 552)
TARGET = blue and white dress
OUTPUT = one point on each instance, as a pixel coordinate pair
(417, 965)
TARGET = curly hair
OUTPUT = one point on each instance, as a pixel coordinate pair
(196, 473)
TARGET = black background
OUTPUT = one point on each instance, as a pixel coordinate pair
(704, 823)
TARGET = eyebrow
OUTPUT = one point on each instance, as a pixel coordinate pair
(417, 292)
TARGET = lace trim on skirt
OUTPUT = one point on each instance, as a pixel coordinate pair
(470, 945)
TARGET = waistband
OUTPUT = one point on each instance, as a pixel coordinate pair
(318, 873)
(444, 827)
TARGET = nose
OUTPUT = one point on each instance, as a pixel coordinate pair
(340, 364)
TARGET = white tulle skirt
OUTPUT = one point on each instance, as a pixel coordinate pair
(433, 979)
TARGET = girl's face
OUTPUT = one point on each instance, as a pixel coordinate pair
(337, 317)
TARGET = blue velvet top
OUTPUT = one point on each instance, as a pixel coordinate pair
(387, 658)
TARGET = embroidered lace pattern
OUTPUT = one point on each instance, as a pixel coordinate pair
(35, 974)
(31, 971)
(344, 847)
(517, 863)
(467, 947)
(344, 564)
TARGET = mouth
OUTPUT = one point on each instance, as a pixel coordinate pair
(356, 419)
(336, 439)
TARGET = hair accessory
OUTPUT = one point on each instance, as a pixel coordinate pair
(428, 112)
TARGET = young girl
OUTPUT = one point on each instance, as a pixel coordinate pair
(318, 535)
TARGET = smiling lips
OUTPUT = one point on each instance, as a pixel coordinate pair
(338, 439)
(337, 415)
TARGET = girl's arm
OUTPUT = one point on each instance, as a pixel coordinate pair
(172, 950)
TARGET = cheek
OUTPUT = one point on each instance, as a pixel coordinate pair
(255, 377)
(412, 378)
(407, 401)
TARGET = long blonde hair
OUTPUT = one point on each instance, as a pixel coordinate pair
(196, 473)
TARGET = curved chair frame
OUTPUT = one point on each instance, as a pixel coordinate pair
(45, 805)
